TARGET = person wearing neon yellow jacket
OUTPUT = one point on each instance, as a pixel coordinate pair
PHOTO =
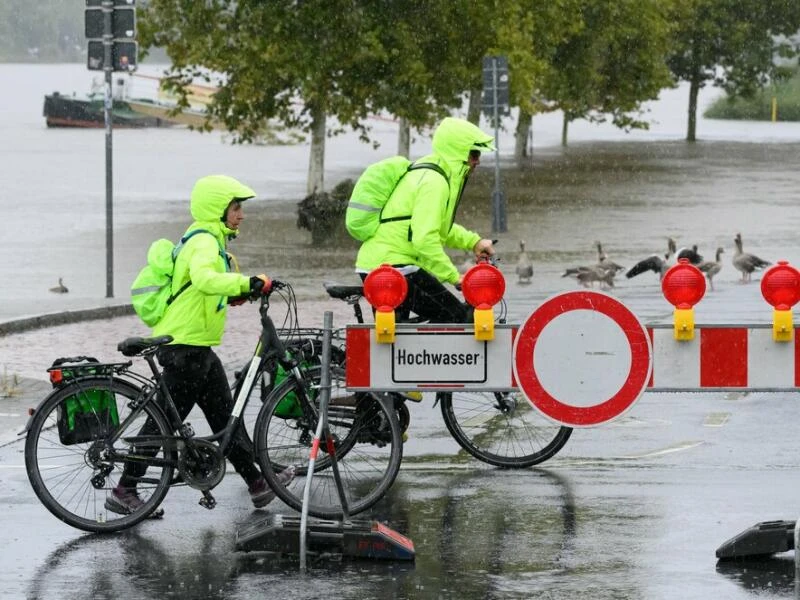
(203, 285)
(418, 222)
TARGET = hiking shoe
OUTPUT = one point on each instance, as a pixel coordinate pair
(261, 494)
(125, 501)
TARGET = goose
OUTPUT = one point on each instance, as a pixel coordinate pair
(588, 275)
(712, 267)
(655, 263)
(603, 271)
(606, 263)
(691, 254)
(744, 262)
(60, 288)
(524, 266)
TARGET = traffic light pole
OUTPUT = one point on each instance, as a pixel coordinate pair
(108, 69)
(498, 199)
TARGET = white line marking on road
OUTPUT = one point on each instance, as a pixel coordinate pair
(716, 419)
(677, 448)
(10, 414)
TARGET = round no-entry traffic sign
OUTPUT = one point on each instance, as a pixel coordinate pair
(582, 358)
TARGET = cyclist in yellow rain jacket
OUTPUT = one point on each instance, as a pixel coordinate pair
(415, 245)
(196, 321)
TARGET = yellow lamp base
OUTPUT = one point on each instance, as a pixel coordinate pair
(782, 326)
(684, 324)
(484, 324)
(384, 327)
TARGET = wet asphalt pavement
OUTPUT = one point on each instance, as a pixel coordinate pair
(634, 509)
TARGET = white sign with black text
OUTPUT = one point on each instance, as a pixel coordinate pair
(442, 359)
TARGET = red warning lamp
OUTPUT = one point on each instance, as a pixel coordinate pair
(780, 287)
(385, 288)
(683, 287)
(483, 286)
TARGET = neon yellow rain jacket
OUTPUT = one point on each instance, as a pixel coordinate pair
(432, 203)
(197, 316)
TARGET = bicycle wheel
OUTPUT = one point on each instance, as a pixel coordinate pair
(366, 437)
(501, 429)
(72, 464)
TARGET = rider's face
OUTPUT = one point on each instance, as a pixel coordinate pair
(474, 160)
(234, 215)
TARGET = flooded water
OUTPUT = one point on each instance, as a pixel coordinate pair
(628, 191)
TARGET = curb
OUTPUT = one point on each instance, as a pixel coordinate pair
(65, 317)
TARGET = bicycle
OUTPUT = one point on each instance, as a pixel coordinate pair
(82, 434)
(499, 428)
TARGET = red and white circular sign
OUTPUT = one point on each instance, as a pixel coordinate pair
(582, 358)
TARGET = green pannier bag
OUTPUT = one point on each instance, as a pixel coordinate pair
(373, 190)
(151, 291)
(289, 407)
(88, 415)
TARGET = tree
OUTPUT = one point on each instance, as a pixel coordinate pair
(612, 64)
(303, 62)
(731, 43)
(528, 33)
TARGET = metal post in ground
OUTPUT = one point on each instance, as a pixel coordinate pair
(108, 69)
(322, 427)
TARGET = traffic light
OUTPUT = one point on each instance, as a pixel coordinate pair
(122, 29)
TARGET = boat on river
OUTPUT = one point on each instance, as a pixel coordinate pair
(71, 111)
(152, 106)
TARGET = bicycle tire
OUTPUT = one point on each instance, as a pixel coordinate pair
(61, 473)
(515, 439)
(367, 439)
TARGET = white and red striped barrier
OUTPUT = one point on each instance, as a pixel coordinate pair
(583, 358)
(724, 357)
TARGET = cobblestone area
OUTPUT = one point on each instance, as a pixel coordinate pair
(28, 354)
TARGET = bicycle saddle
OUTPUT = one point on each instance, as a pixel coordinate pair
(133, 346)
(343, 291)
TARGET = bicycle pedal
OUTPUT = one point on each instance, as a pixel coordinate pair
(207, 501)
(413, 396)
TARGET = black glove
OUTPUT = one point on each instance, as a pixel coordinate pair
(260, 284)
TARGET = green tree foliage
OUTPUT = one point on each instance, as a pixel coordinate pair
(730, 43)
(611, 64)
(301, 62)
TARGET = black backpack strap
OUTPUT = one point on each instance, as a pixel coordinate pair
(413, 167)
(432, 167)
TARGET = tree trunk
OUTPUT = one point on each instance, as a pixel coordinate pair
(522, 157)
(316, 160)
(694, 89)
(404, 138)
(474, 108)
(565, 129)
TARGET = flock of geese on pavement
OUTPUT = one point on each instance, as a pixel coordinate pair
(605, 270)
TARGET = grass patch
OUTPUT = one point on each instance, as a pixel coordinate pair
(9, 384)
(759, 107)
